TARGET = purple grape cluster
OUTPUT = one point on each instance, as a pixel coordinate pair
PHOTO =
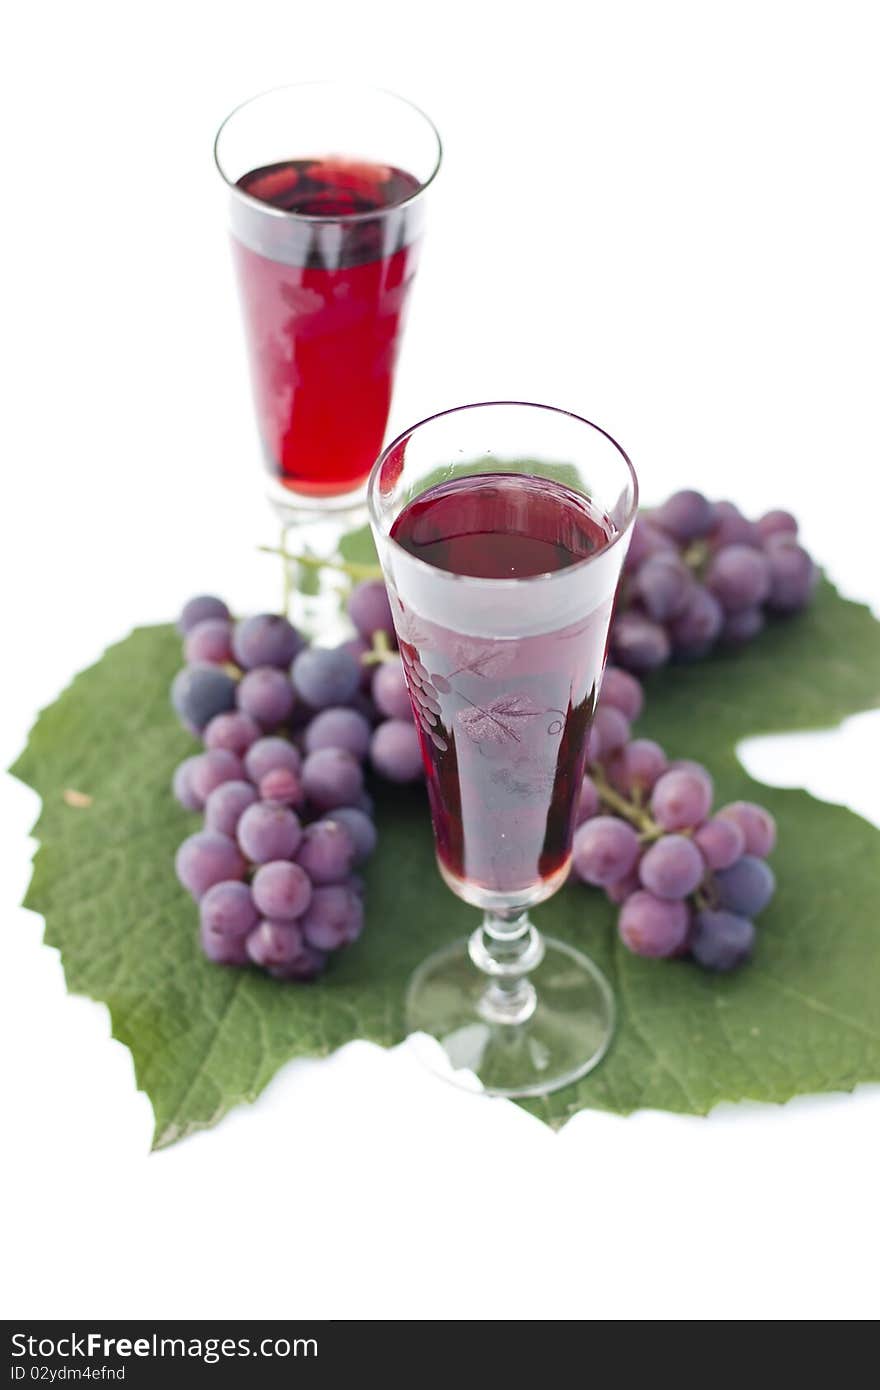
(687, 880)
(699, 574)
(287, 731)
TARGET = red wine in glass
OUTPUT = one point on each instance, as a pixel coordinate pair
(503, 720)
(324, 292)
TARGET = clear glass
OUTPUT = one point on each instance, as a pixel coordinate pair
(323, 294)
(504, 675)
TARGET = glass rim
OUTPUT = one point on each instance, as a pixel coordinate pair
(327, 84)
(472, 579)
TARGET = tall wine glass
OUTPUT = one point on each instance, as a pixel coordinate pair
(502, 529)
(326, 203)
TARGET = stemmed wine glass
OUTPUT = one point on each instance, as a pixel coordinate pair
(326, 190)
(502, 529)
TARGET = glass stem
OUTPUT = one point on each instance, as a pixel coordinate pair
(315, 606)
(506, 948)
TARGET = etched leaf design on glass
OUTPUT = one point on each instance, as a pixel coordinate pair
(500, 721)
(477, 658)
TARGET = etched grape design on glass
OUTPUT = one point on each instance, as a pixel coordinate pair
(502, 529)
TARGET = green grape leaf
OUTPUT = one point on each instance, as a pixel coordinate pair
(802, 1017)
(357, 547)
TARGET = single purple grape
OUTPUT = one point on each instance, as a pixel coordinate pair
(207, 858)
(622, 691)
(757, 825)
(339, 727)
(226, 915)
(395, 751)
(722, 940)
(654, 927)
(267, 754)
(746, 887)
(720, 841)
(331, 777)
(605, 849)
(234, 731)
(695, 631)
(638, 644)
(327, 852)
(609, 732)
(200, 692)
(682, 799)
(369, 609)
(335, 918)
(732, 528)
(212, 769)
(390, 692)
(793, 578)
(663, 586)
(267, 831)
(183, 788)
(742, 627)
(739, 577)
(687, 515)
(266, 695)
(777, 523)
(324, 676)
(281, 890)
(283, 786)
(359, 826)
(637, 766)
(226, 805)
(199, 609)
(266, 639)
(210, 641)
(275, 945)
(672, 867)
(690, 765)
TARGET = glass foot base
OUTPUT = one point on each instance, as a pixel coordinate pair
(565, 1036)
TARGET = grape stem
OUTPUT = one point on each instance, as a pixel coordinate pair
(627, 810)
(696, 556)
(380, 651)
(703, 897)
(286, 582)
(355, 571)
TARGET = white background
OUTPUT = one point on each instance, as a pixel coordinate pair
(662, 216)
